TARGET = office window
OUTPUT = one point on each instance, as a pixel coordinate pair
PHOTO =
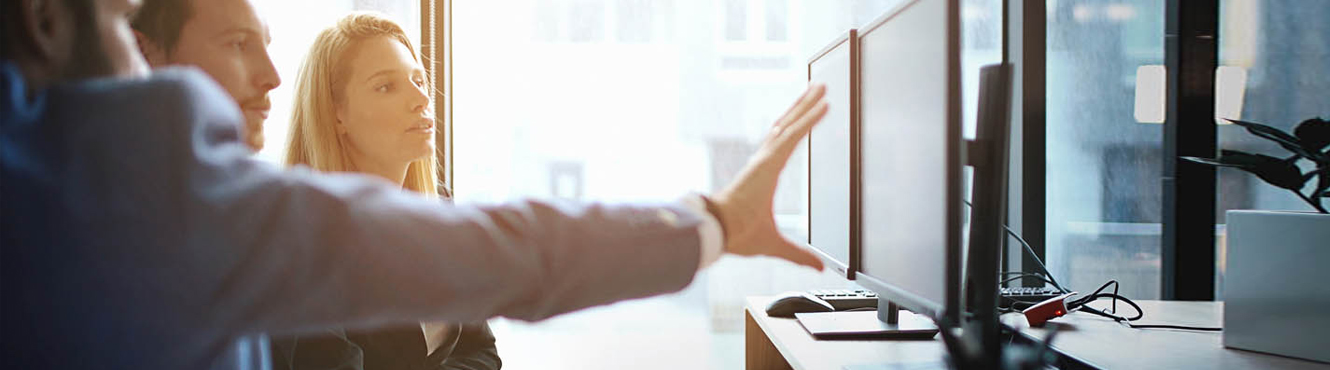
(634, 21)
(547, 26)
(587, 20)
(1103, 193)
(777, 16)
(750, 20)
(736, 20)
(647, 116)
(291, 39)
(1282, 48)
(981, 44)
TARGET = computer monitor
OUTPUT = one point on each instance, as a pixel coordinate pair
(980, 346)
(911, 209)
(832, 157)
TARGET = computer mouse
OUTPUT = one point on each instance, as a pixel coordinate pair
(790, 303)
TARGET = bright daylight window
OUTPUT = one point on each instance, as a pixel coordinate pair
(1103, 162)
(645, 100)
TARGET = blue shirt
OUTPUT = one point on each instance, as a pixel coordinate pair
(136, 233)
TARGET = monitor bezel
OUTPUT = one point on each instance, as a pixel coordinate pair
(848, 269)
(948, 311)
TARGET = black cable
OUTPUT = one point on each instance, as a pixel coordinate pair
(1010, 276)
(1016, 303)
(1081, 303)
(1018, 277)
(1029, 249)
(1020, 305)
(1134, 326)
(1023, 274)
(1036, 258)
(1074, 304)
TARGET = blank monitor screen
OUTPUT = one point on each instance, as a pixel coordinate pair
(830, 196)
(910, 156)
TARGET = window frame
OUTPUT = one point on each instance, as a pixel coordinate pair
(1191, 54)
(1187, 245)
(436, 54)
(1026, 48)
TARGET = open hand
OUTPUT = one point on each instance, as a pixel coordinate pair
(744, 207)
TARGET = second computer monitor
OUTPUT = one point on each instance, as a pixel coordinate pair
(832, 158)
(911, 157)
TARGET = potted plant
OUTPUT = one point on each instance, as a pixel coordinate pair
(1308, 142)
(1275, 260)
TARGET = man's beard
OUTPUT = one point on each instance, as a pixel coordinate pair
(254, 129)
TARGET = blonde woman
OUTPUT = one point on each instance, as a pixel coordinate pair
(362, 106)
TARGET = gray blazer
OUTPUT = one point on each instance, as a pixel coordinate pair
(137, 233)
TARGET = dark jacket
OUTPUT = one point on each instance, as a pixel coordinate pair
(466, 347)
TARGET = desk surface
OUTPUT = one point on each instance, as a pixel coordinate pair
(1090, 339)
(1106, 344)
(802, 352)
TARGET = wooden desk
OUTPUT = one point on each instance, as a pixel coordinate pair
(776, 343)
(1103, 343)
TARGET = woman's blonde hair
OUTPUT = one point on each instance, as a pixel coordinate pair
(320, 87)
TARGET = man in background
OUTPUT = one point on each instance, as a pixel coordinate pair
(224, 38)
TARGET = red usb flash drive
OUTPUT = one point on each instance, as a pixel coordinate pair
(1050, 309)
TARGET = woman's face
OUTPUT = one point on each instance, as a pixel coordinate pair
(384, 114)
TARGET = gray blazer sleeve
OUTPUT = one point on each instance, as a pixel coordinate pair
(242, 247)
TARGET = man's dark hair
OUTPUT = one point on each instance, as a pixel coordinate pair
(12, 28)
(161, 21)
(89, 57)
(9, 28)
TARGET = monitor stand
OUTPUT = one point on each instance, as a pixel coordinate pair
(888, 322)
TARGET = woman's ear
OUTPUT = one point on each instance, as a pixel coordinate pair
(340, 113)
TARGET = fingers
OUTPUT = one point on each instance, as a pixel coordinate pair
(793, 134)
(799, 129)
(803, 96)
(811, 96)
(798, 255)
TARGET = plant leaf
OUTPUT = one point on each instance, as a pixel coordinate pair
(1289, 142)
(1266, 131)
(1273, 170)
(1209, 161)
(1316, 172)
(1323, 185)
(1238, 158)
(1314, 134)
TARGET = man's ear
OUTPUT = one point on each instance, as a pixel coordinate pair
(50, 30)
(153, 53)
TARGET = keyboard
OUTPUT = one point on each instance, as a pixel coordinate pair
(847, 299)
(1029, 294)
